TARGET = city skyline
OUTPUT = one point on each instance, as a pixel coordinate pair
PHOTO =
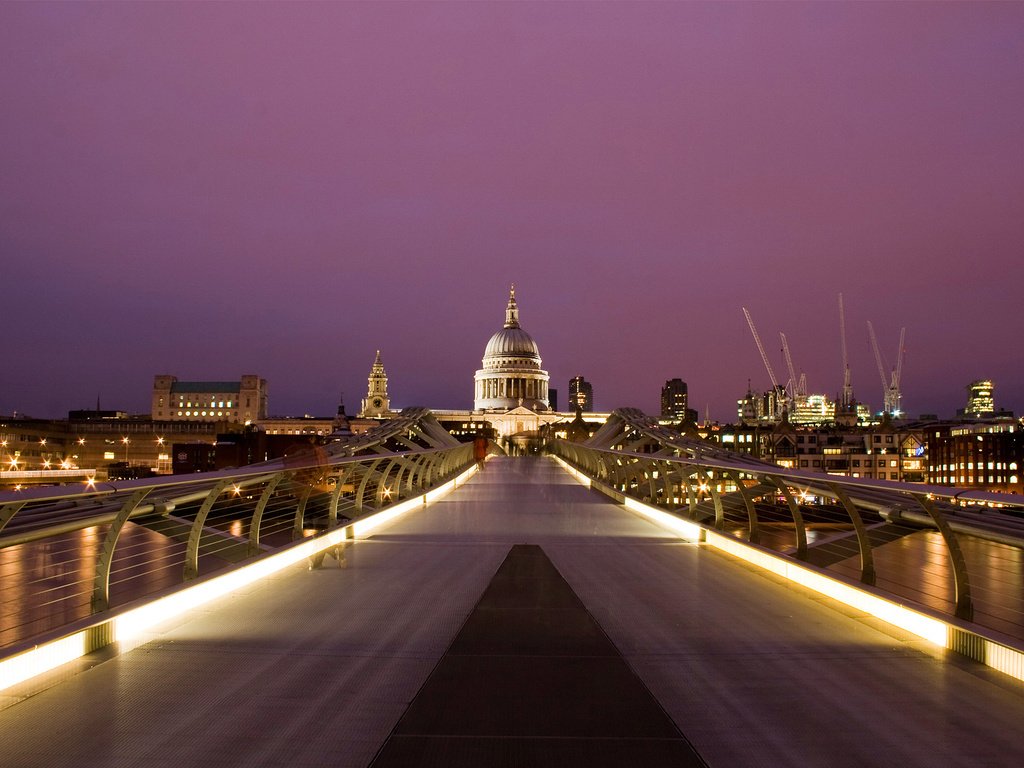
(209, 190)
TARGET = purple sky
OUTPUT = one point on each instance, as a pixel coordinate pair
(209, 190)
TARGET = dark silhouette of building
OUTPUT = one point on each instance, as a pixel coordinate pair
(674, 400)
(581, 394)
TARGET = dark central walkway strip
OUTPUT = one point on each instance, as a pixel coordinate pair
(532, 680)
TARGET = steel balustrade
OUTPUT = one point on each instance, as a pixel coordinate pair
(276, 501)
(632, 455)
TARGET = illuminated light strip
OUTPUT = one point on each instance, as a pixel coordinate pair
(42, 658)
(129, 628)
(932, 630)
(686, 530)
(582, 478)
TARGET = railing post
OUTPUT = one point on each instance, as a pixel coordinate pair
(7, 511)
(257, 514)
(961, 581)
(332, 506)
(716, 499)
(196, 533)
(299, 522)
(101, 581)
(362, 484)
(798, 518)
(754, 536)
(867, 564)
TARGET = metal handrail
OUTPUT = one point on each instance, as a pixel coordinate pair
(323, 492)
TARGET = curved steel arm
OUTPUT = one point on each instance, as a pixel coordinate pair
(961, 581)
(867, 563)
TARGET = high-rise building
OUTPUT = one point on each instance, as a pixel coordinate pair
(674, 400)
(980, 398)
(236, 401)
(581, 394)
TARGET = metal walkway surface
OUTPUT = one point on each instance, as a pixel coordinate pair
(318, 667)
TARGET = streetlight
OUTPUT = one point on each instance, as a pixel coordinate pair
(125, 440)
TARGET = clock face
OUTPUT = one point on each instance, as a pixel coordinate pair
(377, 402)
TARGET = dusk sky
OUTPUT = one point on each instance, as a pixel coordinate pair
(209, 190)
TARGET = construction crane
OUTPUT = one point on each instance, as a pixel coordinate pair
(890, 388)
(797, 387)
(895, 395)
(771, 374)
(847, 386)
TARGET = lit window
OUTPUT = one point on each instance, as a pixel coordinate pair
(179, 413)
(108, 455)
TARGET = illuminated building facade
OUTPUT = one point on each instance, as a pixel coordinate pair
(239, 401)
(980, 398)
(510, 375)
(980, 456)
(377, 404)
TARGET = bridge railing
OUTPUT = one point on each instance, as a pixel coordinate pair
(942, 548)
(68, 553)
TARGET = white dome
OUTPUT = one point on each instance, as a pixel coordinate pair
(511, 374)
(511, 342)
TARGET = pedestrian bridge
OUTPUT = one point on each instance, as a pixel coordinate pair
(525, 619)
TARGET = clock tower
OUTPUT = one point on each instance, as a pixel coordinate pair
(376, 403)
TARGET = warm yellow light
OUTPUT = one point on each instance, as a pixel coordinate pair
(91, 482)
(41, 659)
(236, 489)
(130, 628)
(46, 463)
(125, 440)
(81, 441)
(159, 441)
(42, 441)
(386, 493)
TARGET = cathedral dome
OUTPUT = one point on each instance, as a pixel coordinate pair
(511, 342)
(511, 374)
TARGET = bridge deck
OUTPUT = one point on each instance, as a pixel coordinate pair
(318, 667)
